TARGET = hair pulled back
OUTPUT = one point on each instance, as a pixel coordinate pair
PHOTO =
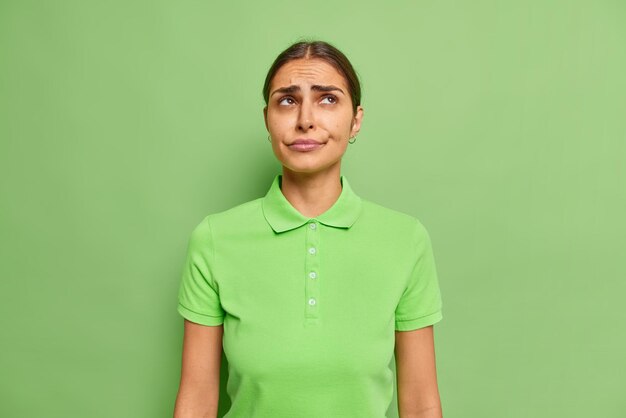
(320, 50)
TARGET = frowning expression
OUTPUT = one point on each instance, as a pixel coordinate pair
(310, 116)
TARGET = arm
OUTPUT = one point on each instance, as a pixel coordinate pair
(418, 394)
(198, 394)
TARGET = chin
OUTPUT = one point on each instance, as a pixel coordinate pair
(303, 169)
(308, 168)
(307, 162)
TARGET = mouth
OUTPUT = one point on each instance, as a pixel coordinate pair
(304, 145)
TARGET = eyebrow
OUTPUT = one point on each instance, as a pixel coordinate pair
(315, 87)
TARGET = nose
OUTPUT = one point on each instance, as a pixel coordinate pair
(305, 117)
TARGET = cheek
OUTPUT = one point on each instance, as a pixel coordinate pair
(342, 125)
(333, 122)
(278, 122)
(274, 125)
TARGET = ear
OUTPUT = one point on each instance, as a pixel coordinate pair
(356, 121)
(265, 117)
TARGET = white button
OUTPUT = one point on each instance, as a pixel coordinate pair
(312, 250)
(312, 301)
(312, 275)
(313, 225)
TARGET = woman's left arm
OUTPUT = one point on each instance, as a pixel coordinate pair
(418, 392)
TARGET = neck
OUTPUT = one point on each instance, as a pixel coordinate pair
(311, 193)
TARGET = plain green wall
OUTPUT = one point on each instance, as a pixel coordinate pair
(501, 125)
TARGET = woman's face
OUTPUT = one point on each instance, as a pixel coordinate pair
(309, 102)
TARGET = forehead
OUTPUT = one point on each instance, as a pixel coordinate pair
(307, 71)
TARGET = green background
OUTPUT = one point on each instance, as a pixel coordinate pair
(499, 124)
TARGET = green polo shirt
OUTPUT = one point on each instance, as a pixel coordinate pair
(310, 306)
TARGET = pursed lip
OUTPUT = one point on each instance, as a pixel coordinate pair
(305, 145)
(305, 141)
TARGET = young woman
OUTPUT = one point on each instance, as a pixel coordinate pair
(310, 289)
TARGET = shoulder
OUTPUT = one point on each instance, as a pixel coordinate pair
(395, 221)
(393, 217)
(236, 217)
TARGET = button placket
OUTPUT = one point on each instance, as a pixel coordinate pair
(311, 272)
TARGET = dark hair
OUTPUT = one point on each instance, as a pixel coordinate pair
(324, 51)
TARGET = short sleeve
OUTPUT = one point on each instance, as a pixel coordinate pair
(198, 295)
(420, 304)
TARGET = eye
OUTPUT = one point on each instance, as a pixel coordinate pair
(332, 98)
(289, 100)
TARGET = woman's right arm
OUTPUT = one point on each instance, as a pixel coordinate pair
(198, 394)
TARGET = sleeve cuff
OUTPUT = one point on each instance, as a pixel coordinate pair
(424, 321)
(199, 318)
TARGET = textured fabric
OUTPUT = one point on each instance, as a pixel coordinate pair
(310, 306)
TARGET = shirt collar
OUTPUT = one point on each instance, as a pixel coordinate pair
(282, 216)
